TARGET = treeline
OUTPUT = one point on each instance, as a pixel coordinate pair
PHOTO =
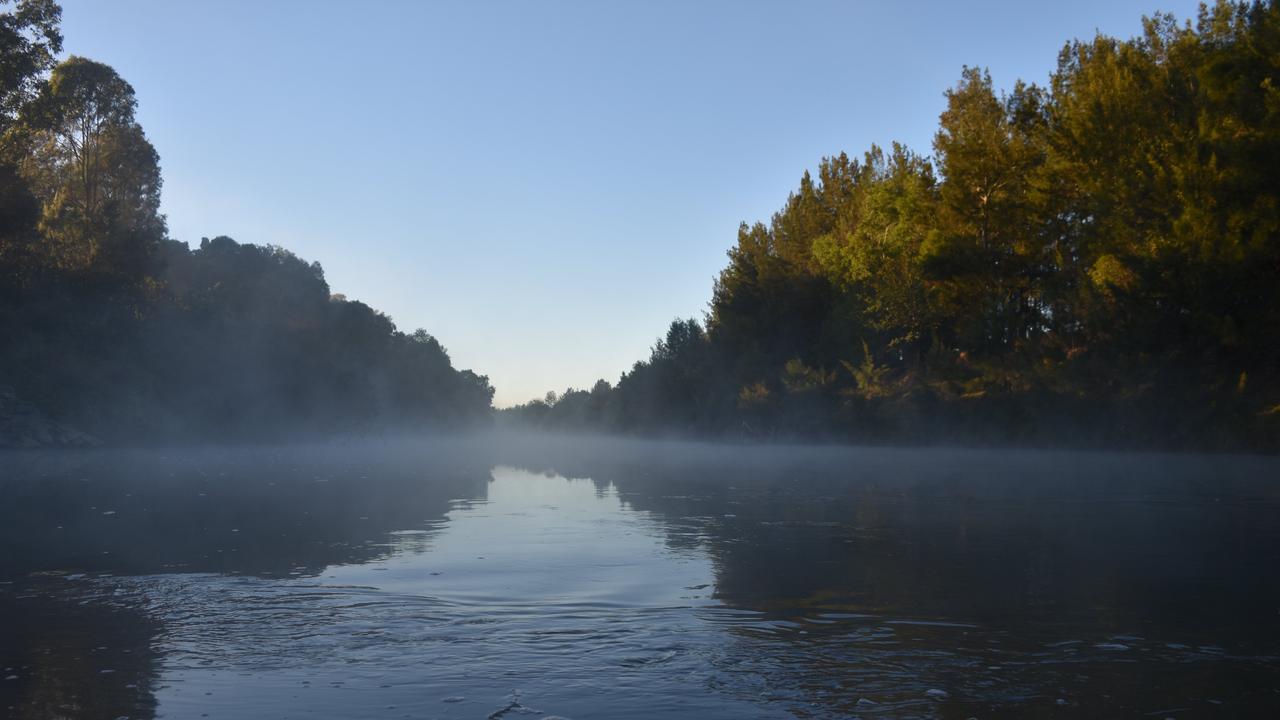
(1095, 261)
(108, 323)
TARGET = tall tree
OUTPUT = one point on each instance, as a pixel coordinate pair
(30, 40)
(95, 172)
(982, 261)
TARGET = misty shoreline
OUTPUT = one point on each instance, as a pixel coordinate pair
(541, 448)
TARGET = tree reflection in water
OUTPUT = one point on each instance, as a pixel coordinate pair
(78, 646)
(1121, 580)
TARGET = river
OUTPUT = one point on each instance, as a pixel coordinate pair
(596, 578)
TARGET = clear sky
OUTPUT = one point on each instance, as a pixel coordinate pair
(541, 185)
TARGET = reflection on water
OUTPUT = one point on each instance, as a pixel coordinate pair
(605, 579)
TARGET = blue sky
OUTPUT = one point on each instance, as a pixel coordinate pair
(541, 185)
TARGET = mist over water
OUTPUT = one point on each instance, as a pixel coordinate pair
(535, 576)
(1081, 260)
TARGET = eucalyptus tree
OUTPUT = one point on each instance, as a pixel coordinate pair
(94, 171)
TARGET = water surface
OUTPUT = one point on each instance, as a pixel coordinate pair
(604, 579)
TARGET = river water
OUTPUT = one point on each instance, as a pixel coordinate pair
(591, 578)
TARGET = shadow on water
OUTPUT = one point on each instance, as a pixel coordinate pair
(71, 647)
(264, 512)
(68, 654)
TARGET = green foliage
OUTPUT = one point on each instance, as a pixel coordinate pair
(868, 377)
(1093, 261)
(83, 155)
(30, 40)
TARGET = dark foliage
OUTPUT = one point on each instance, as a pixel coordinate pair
(109, 324)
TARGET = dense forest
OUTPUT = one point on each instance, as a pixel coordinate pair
(1095, 261)
(111, 325)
